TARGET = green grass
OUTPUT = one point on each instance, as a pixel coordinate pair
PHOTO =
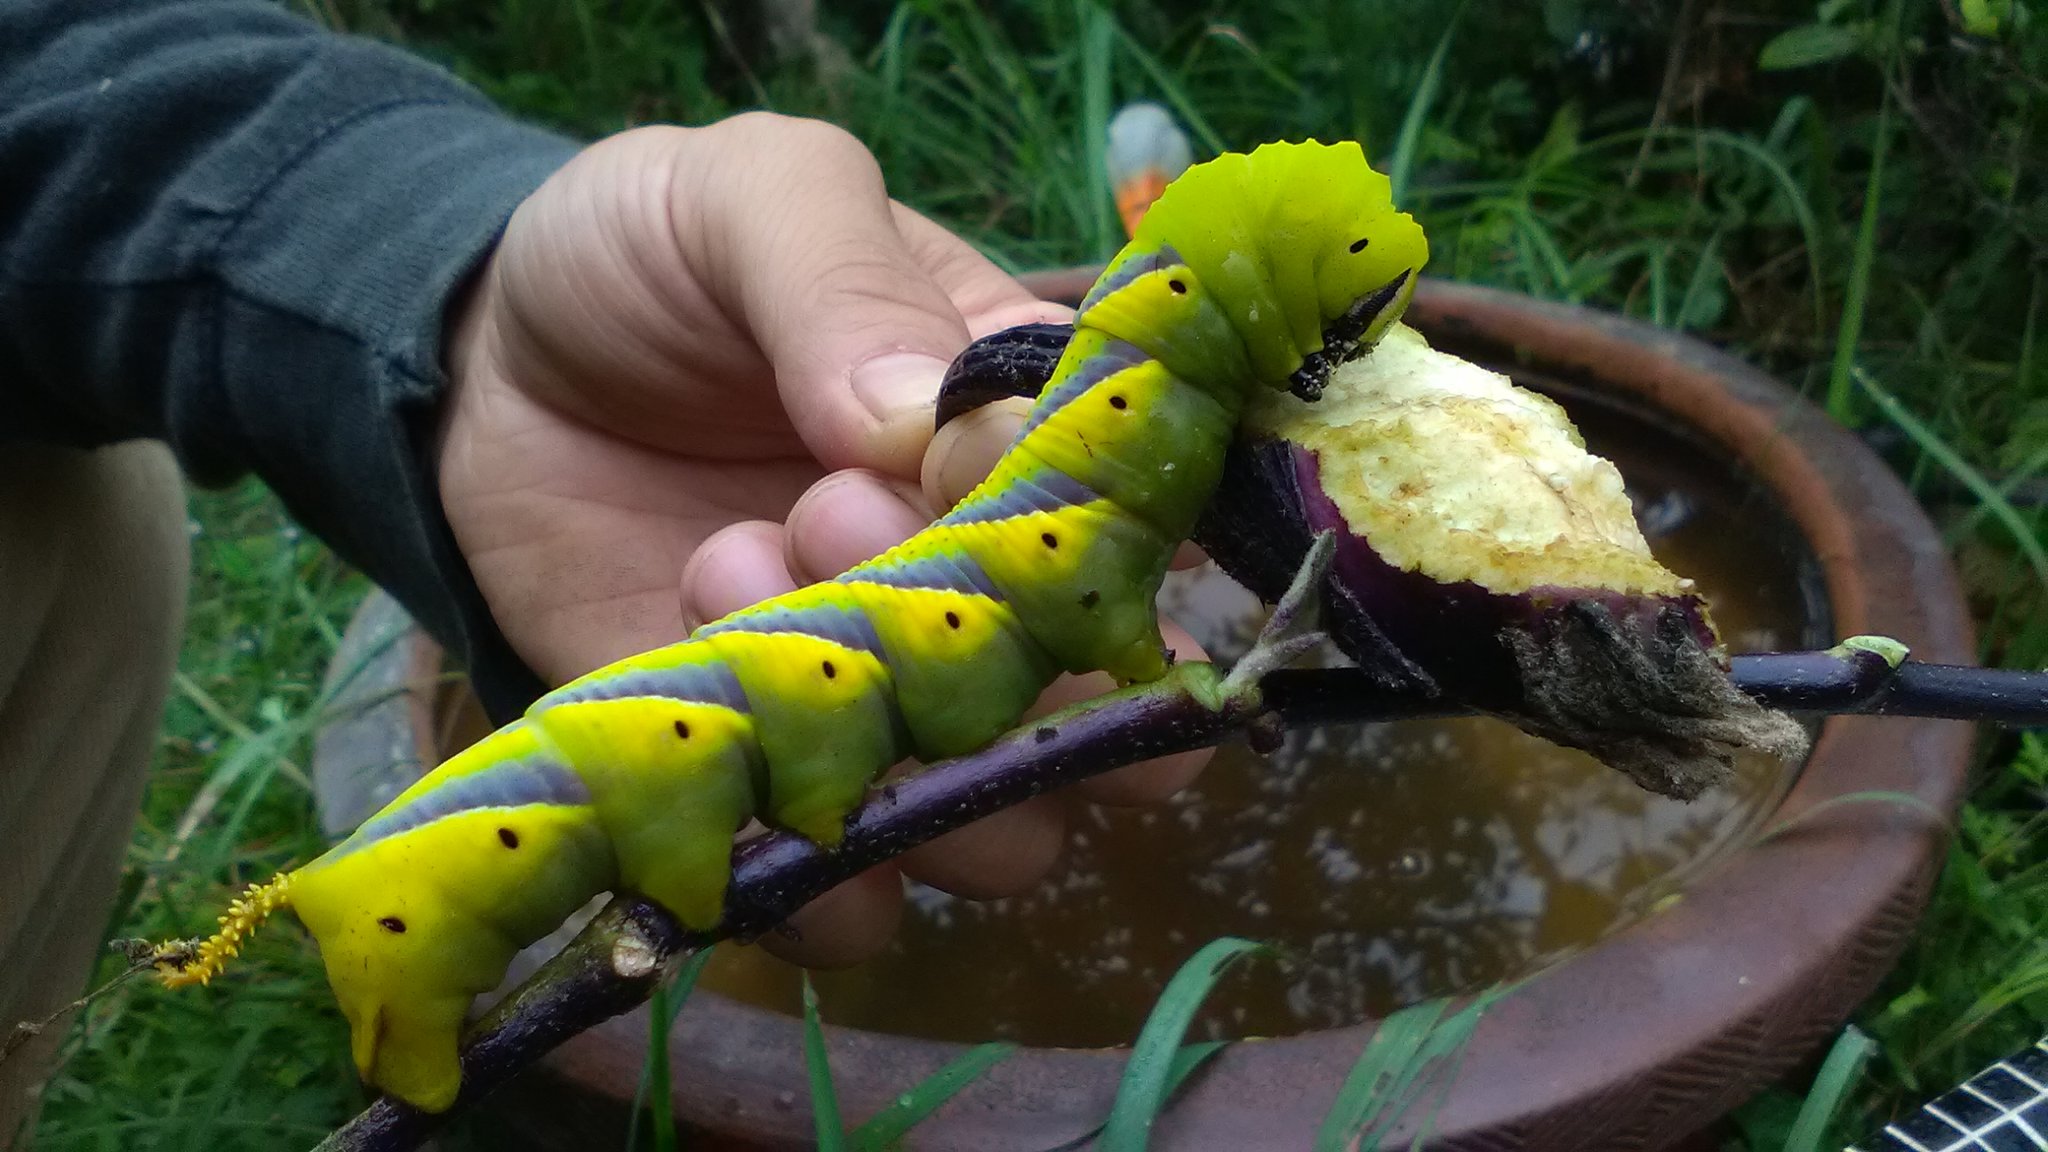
(1149, 1073)
(261, 1059)
(1872, 227)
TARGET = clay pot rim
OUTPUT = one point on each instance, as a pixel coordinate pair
(1642, 1037)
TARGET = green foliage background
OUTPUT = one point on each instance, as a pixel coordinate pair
(1866, 216)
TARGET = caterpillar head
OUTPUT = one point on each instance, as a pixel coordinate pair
(1298, 247)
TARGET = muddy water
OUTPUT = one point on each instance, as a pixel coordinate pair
(1387, 863)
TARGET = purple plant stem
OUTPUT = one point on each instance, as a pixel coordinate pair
(617, 960)
(1831, 682)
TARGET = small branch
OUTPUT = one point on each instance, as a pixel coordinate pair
(618, 959)
(1854, 677)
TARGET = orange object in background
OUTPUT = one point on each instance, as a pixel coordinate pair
(1146, 150)
(1136, 194)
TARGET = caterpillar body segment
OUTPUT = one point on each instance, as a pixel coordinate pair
(637, 775)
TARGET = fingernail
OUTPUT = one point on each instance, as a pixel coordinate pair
(898, 382)
(965, 451)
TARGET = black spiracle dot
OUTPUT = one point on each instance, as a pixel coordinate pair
(682, 730)
(1090, 598)
(1179, 287)
(1051, 541)
(1119, 403)
(508, 838)
(392, 924)
(829, 670)
(1043, 735)
(953, 620)
(1360, 244)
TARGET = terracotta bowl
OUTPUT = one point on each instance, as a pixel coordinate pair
(1633, 1044)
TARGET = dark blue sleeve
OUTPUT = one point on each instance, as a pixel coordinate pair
(227, 228)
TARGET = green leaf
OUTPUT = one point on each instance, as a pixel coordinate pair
(1173, 92)
(1402, 166)
(1189, 1058)
(662, 1009)
(824, 1098)
(1186, 1061)
(1982, 17)
(1706, 294)
(1143, 1093)
(1855, 297)
(1807, 45)
(1838, 1073)
(1098, 37)
(1931, 443)
(885, 1128)
(1406, 1055)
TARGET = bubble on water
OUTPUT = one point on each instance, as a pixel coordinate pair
(1408, 865)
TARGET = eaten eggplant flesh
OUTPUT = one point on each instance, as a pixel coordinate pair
(1486, 558)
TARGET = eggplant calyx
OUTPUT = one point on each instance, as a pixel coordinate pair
(1650, 702)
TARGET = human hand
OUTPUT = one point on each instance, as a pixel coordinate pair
(698, 371)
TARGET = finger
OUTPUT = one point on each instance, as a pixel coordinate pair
(1005, 854)
(989, 298)
(964, 451)
(802, 242)
(736, 566)
(1149, 781)
(846, 925)
(844, 519)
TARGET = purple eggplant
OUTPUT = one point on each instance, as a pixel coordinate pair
(1484, 556)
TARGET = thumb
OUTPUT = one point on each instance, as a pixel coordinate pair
(802, 243)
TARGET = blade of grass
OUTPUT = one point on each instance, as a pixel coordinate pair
(1539, 249)
(1868, 796)
(888, 68)
(201, 1136)
(886, 1128)
(2032, 466)
(824, 1098)
(1143, 1092)
(1173, 92)
(1188, 1058)
(1856, 295)
(1098, 35)
(1388, 1060)
(1186, 1062)
(1704, 272)
(1838, 1073)
(662, 1010)
(1795, 199)
(1932, 444)
(1659, 260)
(1402, 166)
(1405, 1053)
(2026, 978)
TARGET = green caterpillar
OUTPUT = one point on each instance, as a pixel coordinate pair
(1258, 271)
